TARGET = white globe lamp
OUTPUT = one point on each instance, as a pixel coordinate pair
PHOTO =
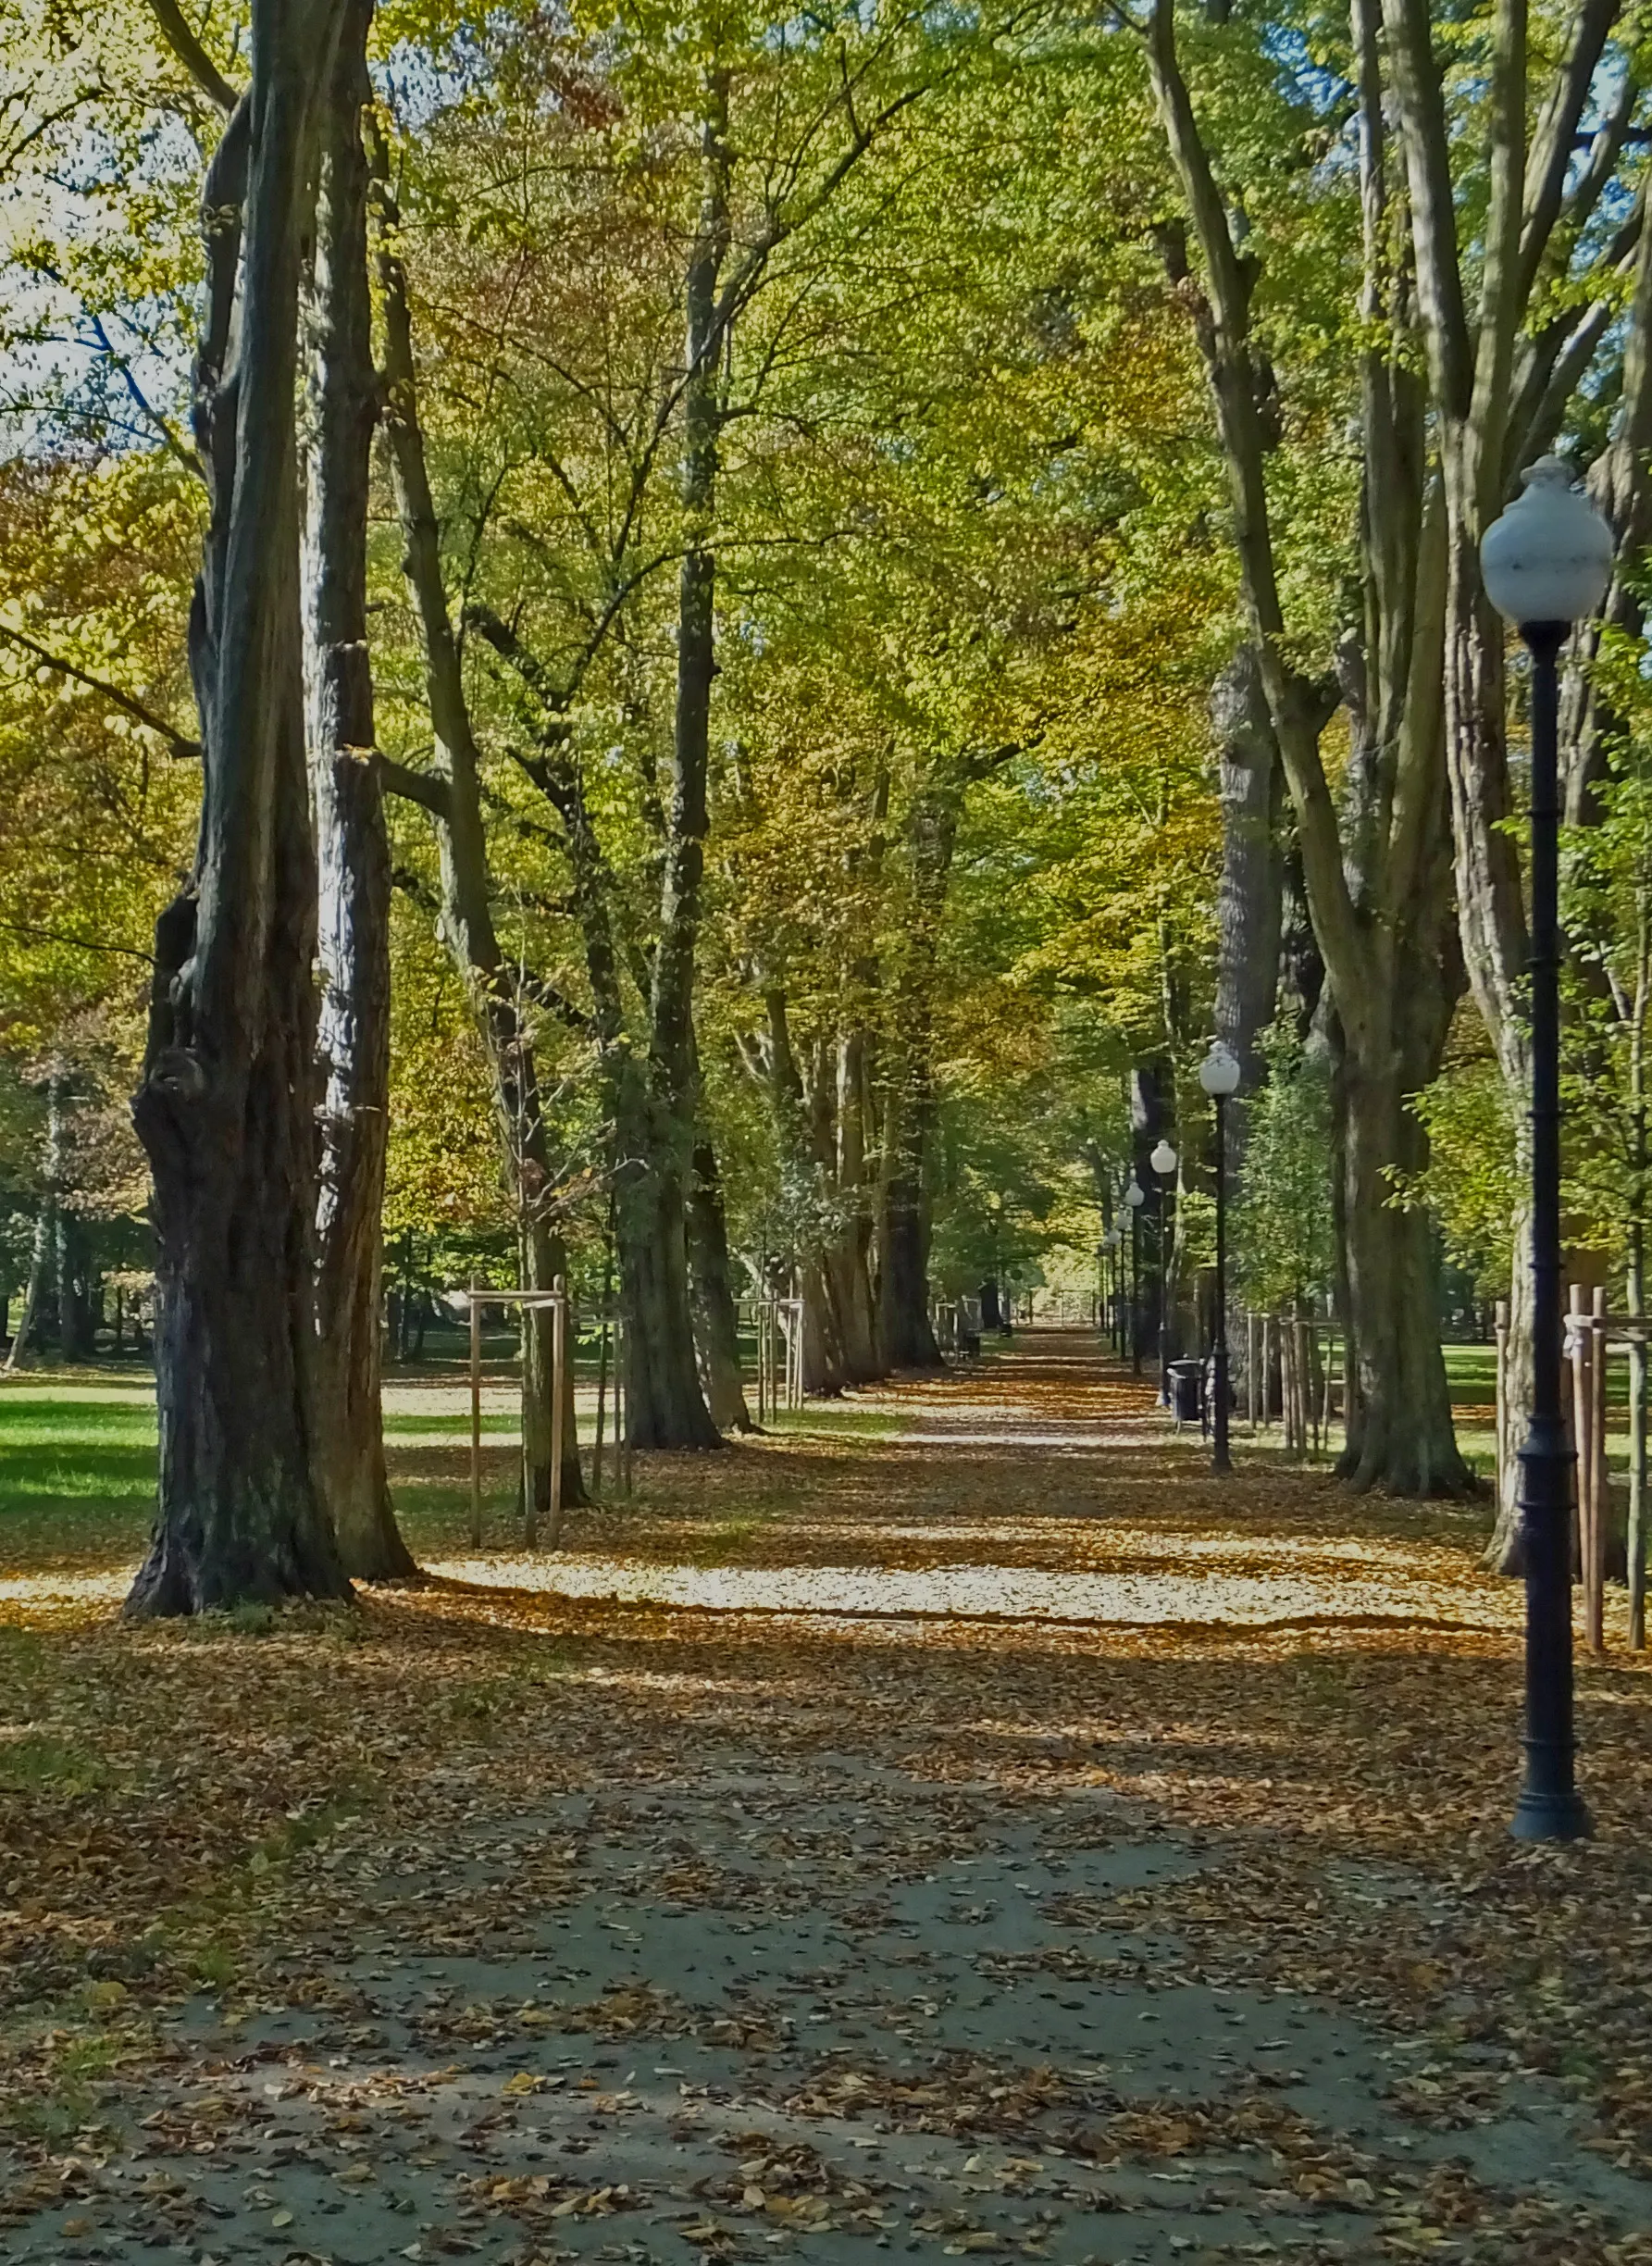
(1550, 557)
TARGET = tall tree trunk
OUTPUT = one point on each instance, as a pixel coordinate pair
(849, 1261)
(906, 1333)
(667, 1408)
(715, 1314)
(804, 1134)
(826, 1367)
(226, 1106)
(1375, 912)
(351, 841)
(1251, 898)
(452, 794)
(904, 1326)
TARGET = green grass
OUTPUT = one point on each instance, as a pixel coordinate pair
(36, 1764)
(77, 1472)
(77, 1466)
(827, 1419)
(454, 1426)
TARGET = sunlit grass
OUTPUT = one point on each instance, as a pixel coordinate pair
(76, 1473)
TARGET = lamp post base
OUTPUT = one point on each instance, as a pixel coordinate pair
(1551, 1817)
(1549, 1808)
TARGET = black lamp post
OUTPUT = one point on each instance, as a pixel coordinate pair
(1164, 1162)
(1136, 1196)
(1219, 1074)
(1546, 564)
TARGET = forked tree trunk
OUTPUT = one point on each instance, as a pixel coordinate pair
(1376, 912)
(226, 1106)
(352, 846)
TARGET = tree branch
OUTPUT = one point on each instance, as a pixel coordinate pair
(1425, 138)
(180, 745)
(1557, 129)
(421, 787)
(175, 29)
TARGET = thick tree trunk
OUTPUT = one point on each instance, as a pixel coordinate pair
(1400, 1433)
(715, 1314)
(353, 845)
(665, 1407)
(822, 1354)
(226, 1106)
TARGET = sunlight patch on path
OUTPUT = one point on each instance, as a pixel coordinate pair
(1238, 1601)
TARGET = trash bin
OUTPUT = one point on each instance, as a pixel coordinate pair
(1186, 1391)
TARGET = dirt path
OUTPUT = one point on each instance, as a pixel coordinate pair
(980, 1835)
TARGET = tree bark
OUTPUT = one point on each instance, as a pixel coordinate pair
(40, 1270)
(905, 1332)
(452, 794)
(1499, 382)
(1376, 912)
(225, 1104)
(849, 1259)
(715, 1314)
(667, 1408)
(351, 841)
(74, 1296)
(1250, 893)
(1399, 1430)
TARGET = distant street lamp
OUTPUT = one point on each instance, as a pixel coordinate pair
(1219, 1074)
(1136, 1196)
(1546, 564)
(1164, 1162)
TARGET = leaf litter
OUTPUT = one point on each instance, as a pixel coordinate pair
(994, 1837)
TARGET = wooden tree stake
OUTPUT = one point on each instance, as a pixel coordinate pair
(476, 1413)
(1502, 1416)
(559, 1396)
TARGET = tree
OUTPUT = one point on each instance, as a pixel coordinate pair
(1378, 887)
(225, 1105)
(353, 844)
(1519, 287)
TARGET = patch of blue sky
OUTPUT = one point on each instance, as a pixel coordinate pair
(80, 355)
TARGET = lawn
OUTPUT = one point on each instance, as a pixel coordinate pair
(78, 1452)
